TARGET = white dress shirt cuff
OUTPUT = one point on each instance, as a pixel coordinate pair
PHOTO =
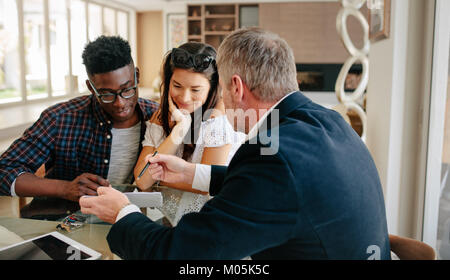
(13, 185)
(131, 208)
(202, 177)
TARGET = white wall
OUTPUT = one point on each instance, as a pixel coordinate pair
(395, 104)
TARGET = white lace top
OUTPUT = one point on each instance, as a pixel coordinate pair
(214, 132)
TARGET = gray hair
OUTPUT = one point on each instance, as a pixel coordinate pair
(263, 60)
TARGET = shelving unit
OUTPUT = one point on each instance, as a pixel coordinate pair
(195, 23)
(211, 23)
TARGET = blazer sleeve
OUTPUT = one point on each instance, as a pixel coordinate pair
(253, 211)
(217, 175)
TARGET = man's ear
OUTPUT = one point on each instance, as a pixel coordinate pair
(89, 87)
(237, 89)
(137, 75)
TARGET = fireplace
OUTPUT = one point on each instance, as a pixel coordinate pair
(322, 77)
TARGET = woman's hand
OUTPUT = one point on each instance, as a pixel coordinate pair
(177, 115)
(183, 121)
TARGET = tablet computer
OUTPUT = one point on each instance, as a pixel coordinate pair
(50, 246)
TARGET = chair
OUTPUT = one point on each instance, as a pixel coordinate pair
(411, 249)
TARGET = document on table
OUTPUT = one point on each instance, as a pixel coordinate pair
(145, 199)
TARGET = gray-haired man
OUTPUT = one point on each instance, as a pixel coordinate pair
(318, 196)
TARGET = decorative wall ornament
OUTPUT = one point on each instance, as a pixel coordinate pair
(176, 30)
(379, 19)
(351, 101)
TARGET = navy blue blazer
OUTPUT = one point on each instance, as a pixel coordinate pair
(318, 196)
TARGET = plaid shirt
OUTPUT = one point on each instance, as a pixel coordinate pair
(71, 138)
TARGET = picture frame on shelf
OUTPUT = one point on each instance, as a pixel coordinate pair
(379, 19)
(176, 30)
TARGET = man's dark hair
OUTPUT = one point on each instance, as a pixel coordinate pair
(106, 54)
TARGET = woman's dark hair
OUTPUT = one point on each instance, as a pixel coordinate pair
(193, 48)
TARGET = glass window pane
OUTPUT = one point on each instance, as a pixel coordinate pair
(9, 53)
(109, 21)
(122, 25)
(95, 21)
(35, 56)
(78, 41)
(443, 236)
(59, 47)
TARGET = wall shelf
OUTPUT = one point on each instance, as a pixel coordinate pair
(211, 23)
(221, 16)
(217, 32)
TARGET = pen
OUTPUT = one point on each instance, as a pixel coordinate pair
(146, 166)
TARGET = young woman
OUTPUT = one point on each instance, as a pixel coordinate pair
(191, 123)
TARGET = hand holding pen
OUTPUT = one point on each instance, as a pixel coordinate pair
(146, 166)
(171, 169)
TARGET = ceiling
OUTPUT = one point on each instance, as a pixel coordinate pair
(143, 5)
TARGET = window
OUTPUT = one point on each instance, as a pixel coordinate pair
(443, 226)
(40, 50)
(59, 47)
(122, 25)
(35, 56)
(78, 40)
(109, 22)
(9, 52)
(436, 227)
(95, 21)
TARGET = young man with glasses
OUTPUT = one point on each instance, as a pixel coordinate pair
(86, 142)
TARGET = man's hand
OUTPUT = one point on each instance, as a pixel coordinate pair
(85, 184)
(106, 205)
(171, 169)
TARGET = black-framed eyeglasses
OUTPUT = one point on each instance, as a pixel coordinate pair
(110, 97)
(183, 59)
